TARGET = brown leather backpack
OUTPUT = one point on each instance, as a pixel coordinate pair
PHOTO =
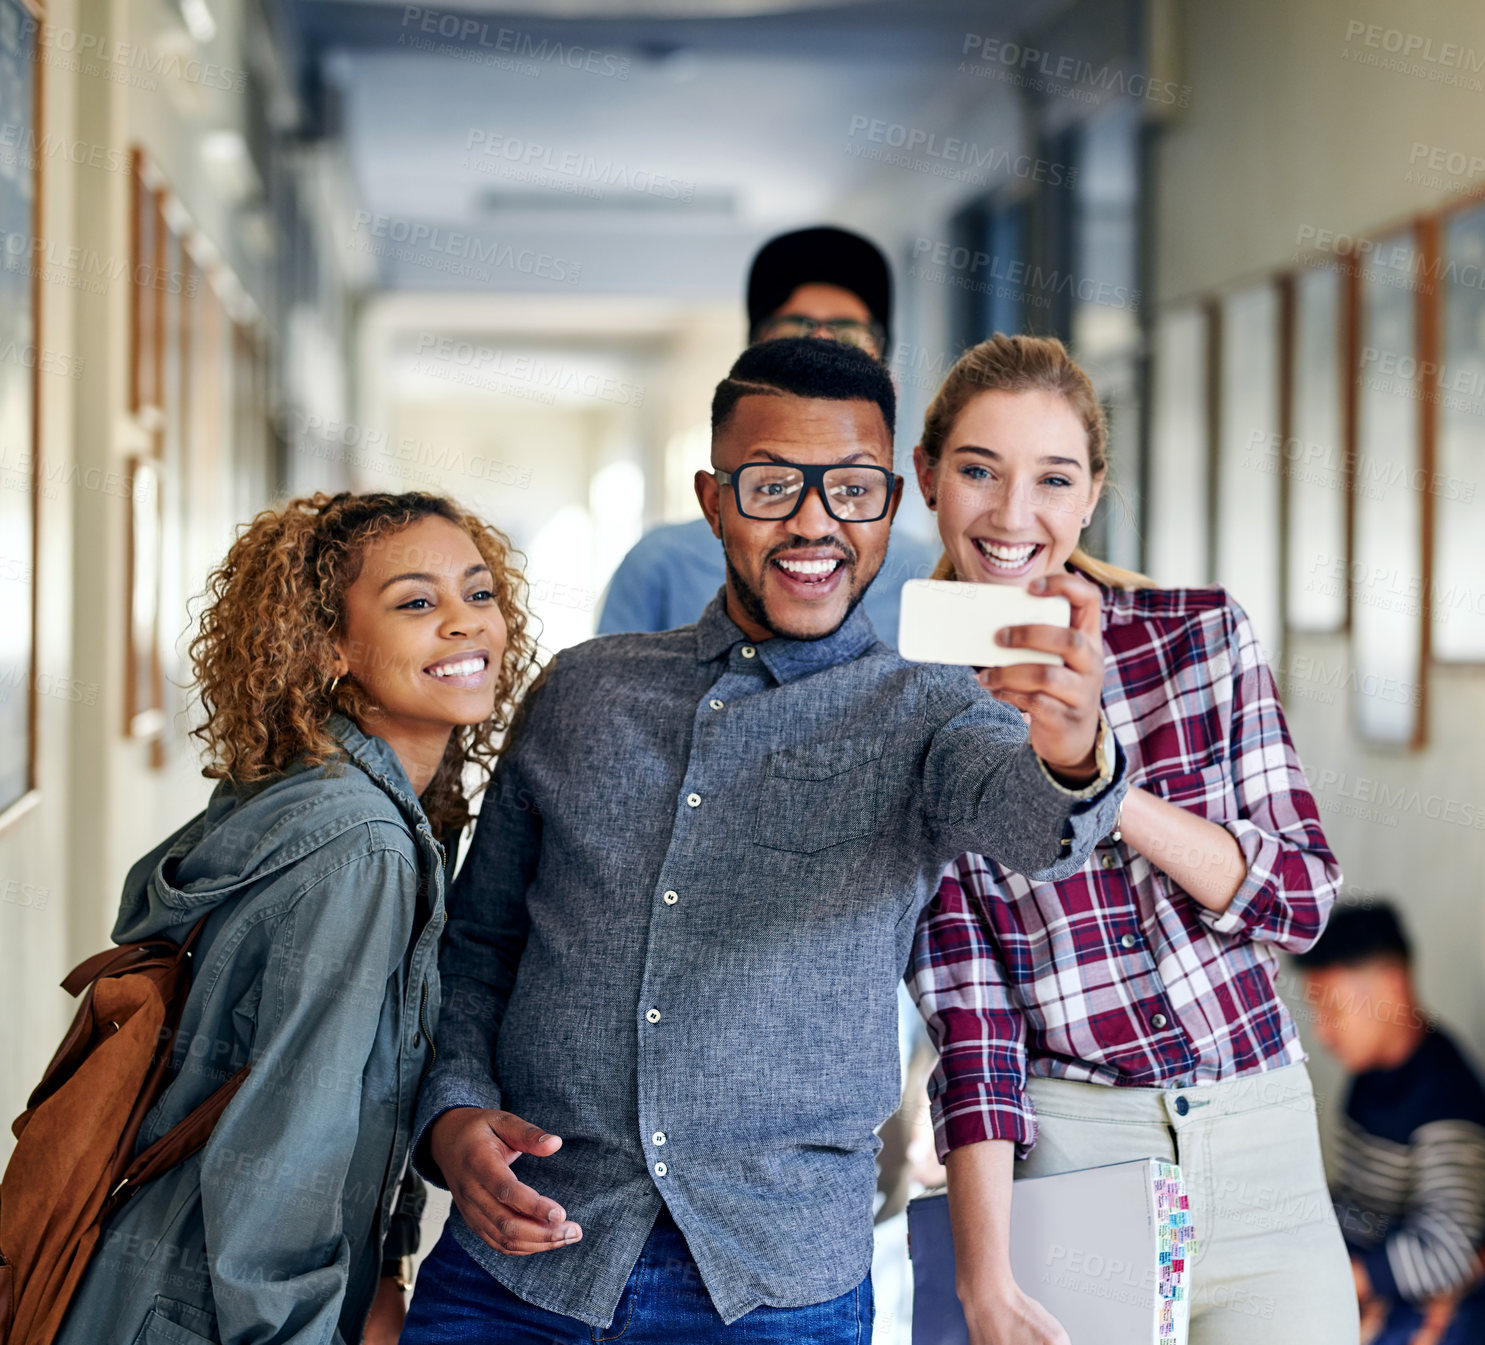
(74, 1161)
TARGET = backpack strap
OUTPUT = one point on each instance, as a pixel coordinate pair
(151, 954)
(184, 1138)
(112, 961)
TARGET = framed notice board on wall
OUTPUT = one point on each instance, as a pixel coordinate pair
(1246, 495)
(1388, 579)
(1315, 458)
(1457, 487)
(19, 332)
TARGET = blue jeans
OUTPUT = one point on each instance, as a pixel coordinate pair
(1467, 1328)
(457, 1302)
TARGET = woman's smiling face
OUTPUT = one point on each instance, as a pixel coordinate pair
(423, 633)
(1012, 486)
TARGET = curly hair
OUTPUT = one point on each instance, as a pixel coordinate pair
(266, 646)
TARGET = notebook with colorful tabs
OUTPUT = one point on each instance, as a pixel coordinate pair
(1106, 1250)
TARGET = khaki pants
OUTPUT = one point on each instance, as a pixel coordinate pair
(1270, 1264)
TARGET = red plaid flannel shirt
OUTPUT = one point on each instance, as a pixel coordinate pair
(1115, 975)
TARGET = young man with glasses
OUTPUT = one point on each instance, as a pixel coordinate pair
(822, 282)
(670, 972)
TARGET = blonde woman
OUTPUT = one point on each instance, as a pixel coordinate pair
(1129, 1010)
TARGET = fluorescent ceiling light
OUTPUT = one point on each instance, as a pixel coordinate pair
(198, 20)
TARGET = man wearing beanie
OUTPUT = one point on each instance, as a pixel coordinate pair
(823, 282)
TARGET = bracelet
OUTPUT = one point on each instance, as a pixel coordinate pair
(399, 1268)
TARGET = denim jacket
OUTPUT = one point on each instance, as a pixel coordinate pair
(318, 967)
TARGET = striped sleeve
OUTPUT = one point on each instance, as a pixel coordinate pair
(977, 1091)
(1433, 1246)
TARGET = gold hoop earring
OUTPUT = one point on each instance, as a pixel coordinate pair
(334, 682)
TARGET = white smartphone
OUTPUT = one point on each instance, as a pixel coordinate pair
(946, 621)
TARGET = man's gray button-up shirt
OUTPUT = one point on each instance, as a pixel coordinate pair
(679, 922)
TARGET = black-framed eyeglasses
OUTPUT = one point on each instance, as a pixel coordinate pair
(868, 336)
(773, 491)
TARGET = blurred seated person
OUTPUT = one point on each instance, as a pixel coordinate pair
(813, 282)
(1408, 1175)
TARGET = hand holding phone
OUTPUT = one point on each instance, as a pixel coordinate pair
(946, 621)
(1061, 631)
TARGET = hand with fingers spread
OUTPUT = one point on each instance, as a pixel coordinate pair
(474, 1149)
(1061, 701)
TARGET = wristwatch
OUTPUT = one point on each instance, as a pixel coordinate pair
(399, 1268)
(1103, 751)
(1103, 757)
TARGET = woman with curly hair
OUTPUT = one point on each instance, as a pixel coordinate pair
(358, 657)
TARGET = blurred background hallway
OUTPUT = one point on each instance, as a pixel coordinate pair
(255, 248)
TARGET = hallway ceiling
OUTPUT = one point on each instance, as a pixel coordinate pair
(625, 9)
(648, 147)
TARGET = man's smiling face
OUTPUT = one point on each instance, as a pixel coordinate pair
(799, 577)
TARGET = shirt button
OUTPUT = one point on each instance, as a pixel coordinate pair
(694, 800)
(716, 704)
(671, 898)
(659, 1135)
(1159, 1019)
(1108, 861)
(748, 651)
(1182, 1106)
(653, 1016)
(661, 1169)
(1128, 941)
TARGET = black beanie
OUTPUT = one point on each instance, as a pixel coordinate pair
(823, 256)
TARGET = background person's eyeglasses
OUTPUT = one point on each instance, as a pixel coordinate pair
(867, 336)
(773, 491)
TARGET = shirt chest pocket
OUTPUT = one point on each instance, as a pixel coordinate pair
(1208, 791)
(819, 795)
